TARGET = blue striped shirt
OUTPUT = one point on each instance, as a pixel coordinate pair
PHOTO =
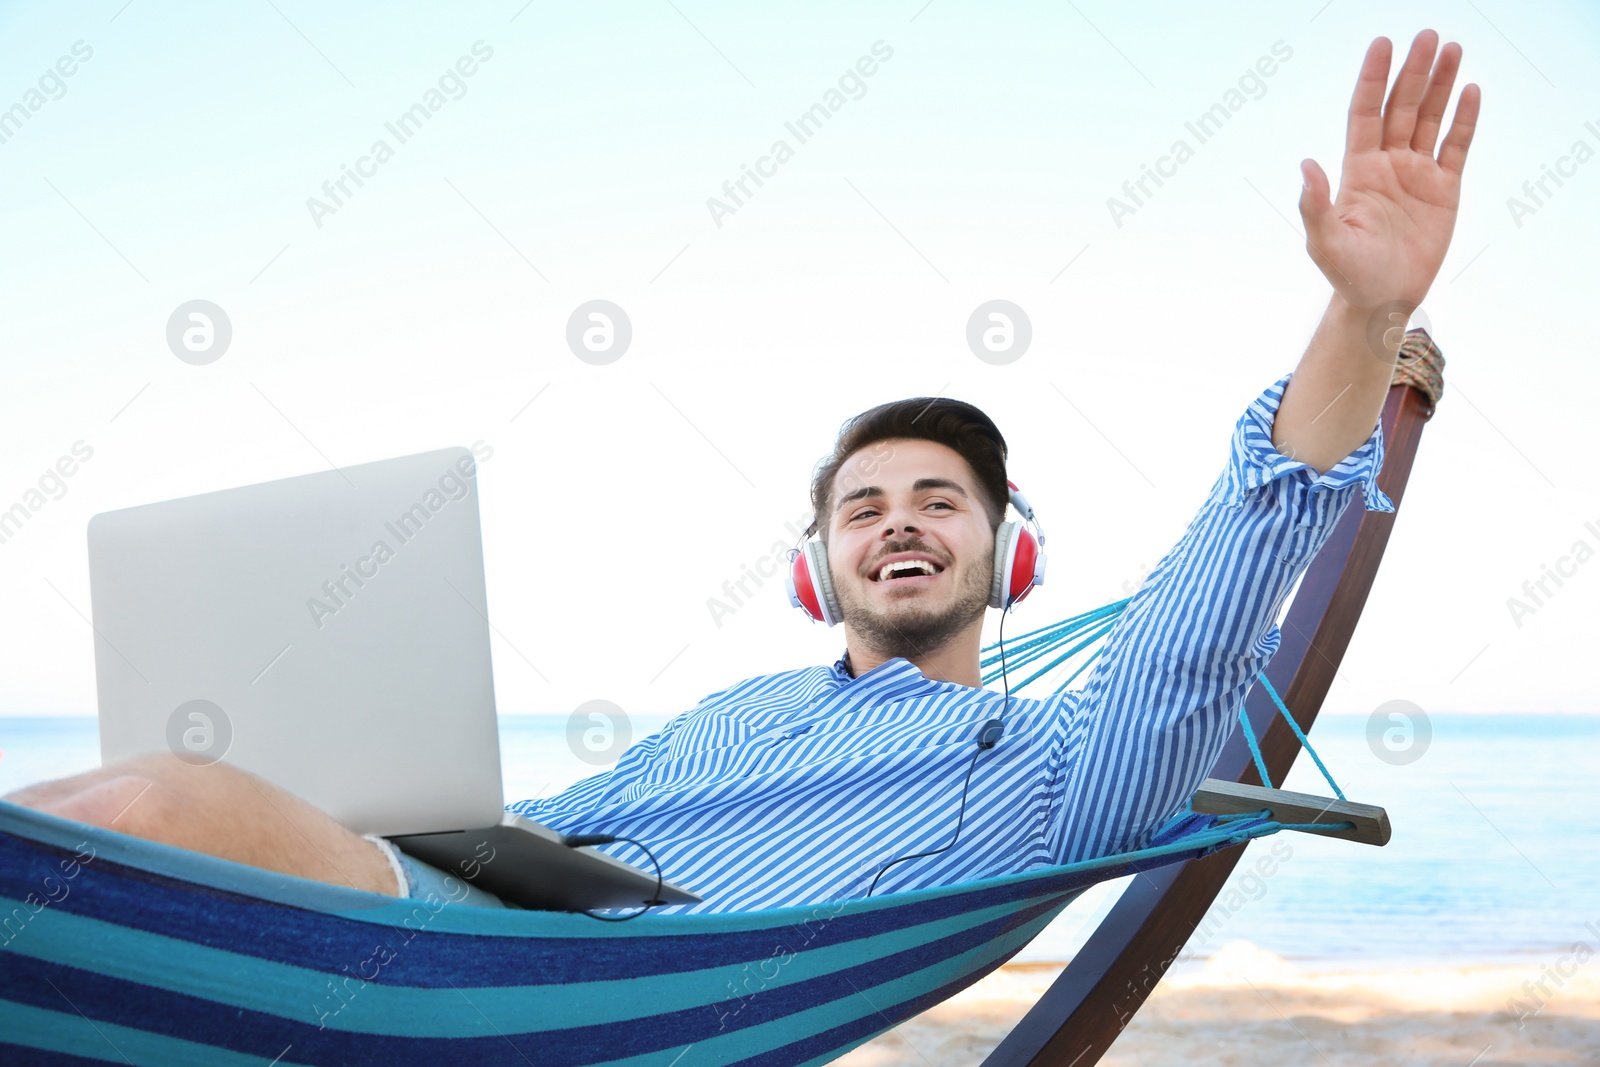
(797, 787)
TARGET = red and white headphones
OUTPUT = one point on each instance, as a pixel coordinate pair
(1018, 567)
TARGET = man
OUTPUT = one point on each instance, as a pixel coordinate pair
(808, 785)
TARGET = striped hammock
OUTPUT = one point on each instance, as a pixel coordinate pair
(117, 949)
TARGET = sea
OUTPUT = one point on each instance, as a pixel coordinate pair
(1494, 859)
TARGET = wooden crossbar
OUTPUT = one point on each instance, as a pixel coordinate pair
(1370, 823)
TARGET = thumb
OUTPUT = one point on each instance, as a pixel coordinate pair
(1314, 202)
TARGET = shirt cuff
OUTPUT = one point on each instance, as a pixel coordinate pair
(1255, 462)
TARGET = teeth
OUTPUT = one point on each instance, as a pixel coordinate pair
(909, 566)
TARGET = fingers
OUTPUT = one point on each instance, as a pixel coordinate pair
(1365, 130)
(1415, 109)
(1453, 153)
(1431, 114)
(1400, 116)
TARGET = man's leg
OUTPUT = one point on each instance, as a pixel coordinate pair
(219, 810)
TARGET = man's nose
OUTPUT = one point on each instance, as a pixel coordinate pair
(901, 521)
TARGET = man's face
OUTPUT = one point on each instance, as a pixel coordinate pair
(922, 501)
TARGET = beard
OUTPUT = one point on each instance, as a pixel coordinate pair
(916, 625)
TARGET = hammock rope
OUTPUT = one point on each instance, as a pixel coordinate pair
(1092, 626)
(1305, 742)
(1036, 644)
(1255, 747)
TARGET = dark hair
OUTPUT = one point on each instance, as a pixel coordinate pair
(952, 423)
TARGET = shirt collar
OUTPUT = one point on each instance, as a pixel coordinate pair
(841, 666)
(897, 671)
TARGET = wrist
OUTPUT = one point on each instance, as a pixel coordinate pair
(1378, 328)
(1342, 304)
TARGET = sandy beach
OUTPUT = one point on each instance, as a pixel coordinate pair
(1246, 1007)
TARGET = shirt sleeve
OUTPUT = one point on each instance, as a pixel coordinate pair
(631, 774)
(1163, 696)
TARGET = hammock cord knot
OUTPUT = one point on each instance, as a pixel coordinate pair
(1420, 365)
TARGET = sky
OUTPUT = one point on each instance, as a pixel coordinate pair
(557, 155)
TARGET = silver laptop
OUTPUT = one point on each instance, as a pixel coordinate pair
(330, 633)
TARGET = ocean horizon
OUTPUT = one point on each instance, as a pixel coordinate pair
(1485, 865)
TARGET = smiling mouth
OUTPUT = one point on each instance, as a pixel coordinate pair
(907, 572)
(909, 582)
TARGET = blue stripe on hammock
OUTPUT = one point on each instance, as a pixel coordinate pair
(316, 940)
(143, 900)
(864, 999)
(872, 947)
(141, 954)
(37, 1057)
(66, 1039)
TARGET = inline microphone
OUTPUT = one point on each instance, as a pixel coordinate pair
(992, 731)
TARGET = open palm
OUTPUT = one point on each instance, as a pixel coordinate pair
(1386, 235)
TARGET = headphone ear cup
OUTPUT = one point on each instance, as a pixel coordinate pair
(1018, 565)
(1027, 566)
(824, 579)
(811, 584)
(1005, 547)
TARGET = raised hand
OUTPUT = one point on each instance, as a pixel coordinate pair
(1382, 241)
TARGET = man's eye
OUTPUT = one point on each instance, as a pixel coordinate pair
(873, 511)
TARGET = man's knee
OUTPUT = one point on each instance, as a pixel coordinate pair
(113, 803)
(219, 810)
(153, 795)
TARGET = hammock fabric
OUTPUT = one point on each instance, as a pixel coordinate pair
(118, 949)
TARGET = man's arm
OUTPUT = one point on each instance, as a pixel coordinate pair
(1161, 700)
(1380, 244)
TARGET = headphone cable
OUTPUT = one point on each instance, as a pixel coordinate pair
(582, 840)
(985, 742)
